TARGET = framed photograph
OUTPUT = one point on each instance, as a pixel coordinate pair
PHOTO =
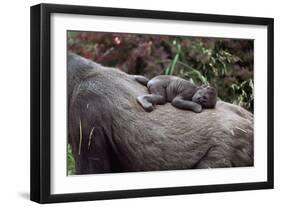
(133, 103)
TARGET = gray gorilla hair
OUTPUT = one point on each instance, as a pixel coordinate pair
(110, 132)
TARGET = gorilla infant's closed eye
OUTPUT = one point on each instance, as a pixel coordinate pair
(181, 93)
(206, 97)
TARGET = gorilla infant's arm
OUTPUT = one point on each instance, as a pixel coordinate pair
(180, 103)
(181, 93)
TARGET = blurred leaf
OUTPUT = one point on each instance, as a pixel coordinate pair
(70, 161)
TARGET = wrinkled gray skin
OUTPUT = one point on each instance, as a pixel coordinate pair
(117, 136)
(181, 93)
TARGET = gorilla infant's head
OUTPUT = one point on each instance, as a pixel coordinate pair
(206, 96)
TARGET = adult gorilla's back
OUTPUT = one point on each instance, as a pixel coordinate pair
(110, 132)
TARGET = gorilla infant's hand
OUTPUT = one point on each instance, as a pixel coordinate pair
(197, 108)
(147, 106)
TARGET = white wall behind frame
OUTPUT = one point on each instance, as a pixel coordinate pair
(14, 110)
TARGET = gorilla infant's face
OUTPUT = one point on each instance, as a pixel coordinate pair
(206, 97)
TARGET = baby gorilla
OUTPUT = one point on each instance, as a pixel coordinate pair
(181, 93)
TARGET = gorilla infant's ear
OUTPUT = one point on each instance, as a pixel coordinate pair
(211, 89)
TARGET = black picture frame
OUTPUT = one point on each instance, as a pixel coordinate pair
(41, 96)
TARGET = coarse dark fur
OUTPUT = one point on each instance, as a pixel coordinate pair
(181, 93)
(109, 132)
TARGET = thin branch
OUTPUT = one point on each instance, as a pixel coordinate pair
(80, 141)
(90, 138)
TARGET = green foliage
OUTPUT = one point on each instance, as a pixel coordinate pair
(171, 67)
(244, 93)
(226, 64)
(70, 161)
